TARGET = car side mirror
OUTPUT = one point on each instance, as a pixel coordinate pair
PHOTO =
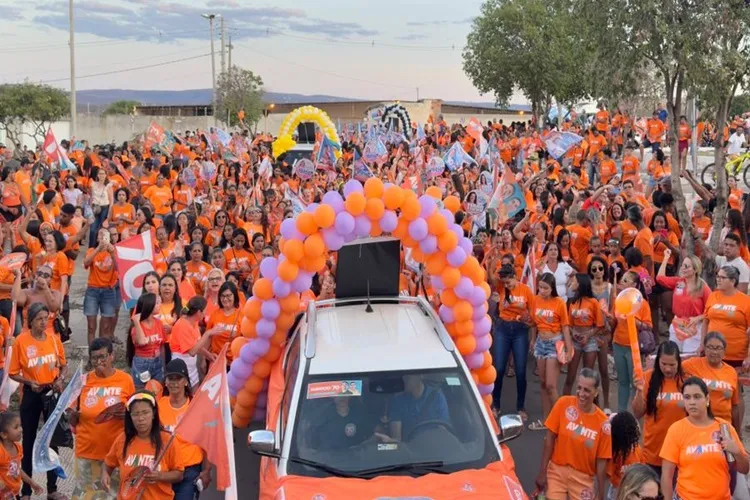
(511, 426)
(263, 443)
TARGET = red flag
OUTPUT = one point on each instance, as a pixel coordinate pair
(135, 257)
(207, 423)
(50, 146)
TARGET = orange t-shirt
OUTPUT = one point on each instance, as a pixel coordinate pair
(235, 258)
(615, 471)
(549, 315)
(97, 395)
(184, 336)
(731, 317)
(607, 169)
(655, 130)
(23, 180)
(102, 273)
(586, 313)
(187, 290)
(160, 198)
(722, 383)
(187, 453)
(60, 265)
(127, 210)
(37, 360)
(161, 256)
(520, 300)
(141, 453)
(631, 167)
(644, 241)
(197, 273)
(669, 409)
(229, 323)
(628, 233)
(579, 243)
(10, 468)
(698, 457)
(660, 247)
(582, 438)
(620, 335)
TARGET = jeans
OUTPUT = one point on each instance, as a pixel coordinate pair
(593, 171)
(510, 336)
(624, 367)
(185, 489)
(31, 410)
(97, 224)
(152, 365)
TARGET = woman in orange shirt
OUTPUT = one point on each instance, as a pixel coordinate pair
(122, 213)
(221, 219)
(551, 325)
(140, 444)
(586, 325)
(145, 346)
(728, 312)
(223, 322)
(11, 205)
(11, 455)
(178, 269)
(169, 307)
(626, 449)
(214, 280)
(182, 229)
(658, 399)
(196, 268)
(696, 446)
(186, 342)
(239, 256)
(100, 298)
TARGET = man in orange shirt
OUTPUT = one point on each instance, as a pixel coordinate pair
(580, 236)
(654, 131)
(644, 239)
(160, 195)
(23, 179)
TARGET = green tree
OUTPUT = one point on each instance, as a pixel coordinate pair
(121, 107)
(239, 90)
(536, 46)
(27, 104)
(740, 105)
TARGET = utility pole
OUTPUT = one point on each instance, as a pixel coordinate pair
(417, 94)
(223, 47)
(229, 48)
(211, 18)
(72, 72)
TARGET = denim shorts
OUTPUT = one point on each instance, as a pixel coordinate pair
(545, 348)
(100, 302)
(590, 346)
(152, 365)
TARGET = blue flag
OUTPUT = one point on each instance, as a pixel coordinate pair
(327, 151)
(558, 143)
(223, 136)
(420, 132)
(456, 157)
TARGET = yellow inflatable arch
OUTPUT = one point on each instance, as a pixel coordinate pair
(284, 141)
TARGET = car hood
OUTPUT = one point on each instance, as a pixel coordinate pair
(498, 481)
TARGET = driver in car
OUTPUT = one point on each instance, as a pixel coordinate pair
(343, 424)
(416, 405)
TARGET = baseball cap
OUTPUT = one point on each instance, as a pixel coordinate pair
(177, 367)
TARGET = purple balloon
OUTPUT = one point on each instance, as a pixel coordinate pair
(350, 237)
(234, 382)
(437, 283)
(353, 186)
(485, 389)
(247, 355)
(478, 298)
(242, 371)
(289, 230)
(446, 314)
(483, 344)
(457, 230)
(464, 289)
(362, 226)
(259, 415)
(474, 361)
(448, 215)
(427, 204)
(300, 284)
(259, 347)
(311, 208)
(262, 400)
(265, 328)
(388, 221)
(429, 244)
(334, 200)
(418, 229)
(334, 241)
(281, 288)
(268, 267)
(456, 257)
(270, 309)
(344, 223)
(466, 245)
(480, 310)
(482, 326)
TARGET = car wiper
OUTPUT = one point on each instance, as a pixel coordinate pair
(434, 466)
(321, 466)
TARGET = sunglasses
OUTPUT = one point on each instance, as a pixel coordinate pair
(44, 275)
(597, 269)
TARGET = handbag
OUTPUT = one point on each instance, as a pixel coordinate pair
(63, 435)
(61, 328)
(646, 340)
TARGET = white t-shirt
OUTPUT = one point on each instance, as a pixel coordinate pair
(740, 264)
(562, 274)
(735, 144)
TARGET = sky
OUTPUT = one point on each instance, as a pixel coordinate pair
(384, 49)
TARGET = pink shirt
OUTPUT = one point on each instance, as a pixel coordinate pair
(684, 305)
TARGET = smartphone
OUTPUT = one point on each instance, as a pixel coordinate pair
(106, 238)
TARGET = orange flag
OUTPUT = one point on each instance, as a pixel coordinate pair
(208, 424)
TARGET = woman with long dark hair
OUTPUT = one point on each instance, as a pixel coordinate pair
(141, 444)
(658, 398)
(586, 325)
(604, 292)
(169, 309)
(626, 448)
(145, 352)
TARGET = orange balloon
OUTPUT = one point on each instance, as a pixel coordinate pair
(487, 290)
(237, 344)
(487, 359)
(285, 321)
(451, 329)
(451, 276)
(410, 209)
(628, 302)
(452, 203)
(487, 375)
(409, 242)
(263, 289)
(418, 255)
(240, 422)
(314, 246)
(254, 384)
(232, 401)
(246, 399)
(448, 297)
(475, 377)
(306, 223)
(279, 337)
(355, 203)
(434, 192)
(463, 310)
(273, 354)
(393, 197)
(313, 265)
(287, 271)
(466, 344)
(436, 263)
(464, 327)
(324, 216)
(262, 368)
(374, 188)
(290, 303)
(375, 208)
(282, 244)
(487, 400)
(436, 224)
(447, 241)
(294, 250)
(247, 328)
(252, 309)
(375, 230)
(402, 229)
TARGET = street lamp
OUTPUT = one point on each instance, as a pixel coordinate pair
(211, 18)
(266, 112)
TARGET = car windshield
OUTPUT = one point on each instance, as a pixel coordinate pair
(399, 422)
(297, 154)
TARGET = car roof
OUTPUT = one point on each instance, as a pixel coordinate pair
(395, 336)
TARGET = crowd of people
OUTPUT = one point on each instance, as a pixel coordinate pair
(596, 221)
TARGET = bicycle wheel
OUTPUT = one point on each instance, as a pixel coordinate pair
(746, 173)
(708, 175)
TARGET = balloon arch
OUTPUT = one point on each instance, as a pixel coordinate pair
(424, 224)
(284, 142)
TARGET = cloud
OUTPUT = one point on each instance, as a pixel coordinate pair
(466, 20)
(11, 12)
(170, 20)
(410, 37)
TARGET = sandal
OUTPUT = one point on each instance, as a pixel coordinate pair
(511, 372)
(524, 416)
(537, 425)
